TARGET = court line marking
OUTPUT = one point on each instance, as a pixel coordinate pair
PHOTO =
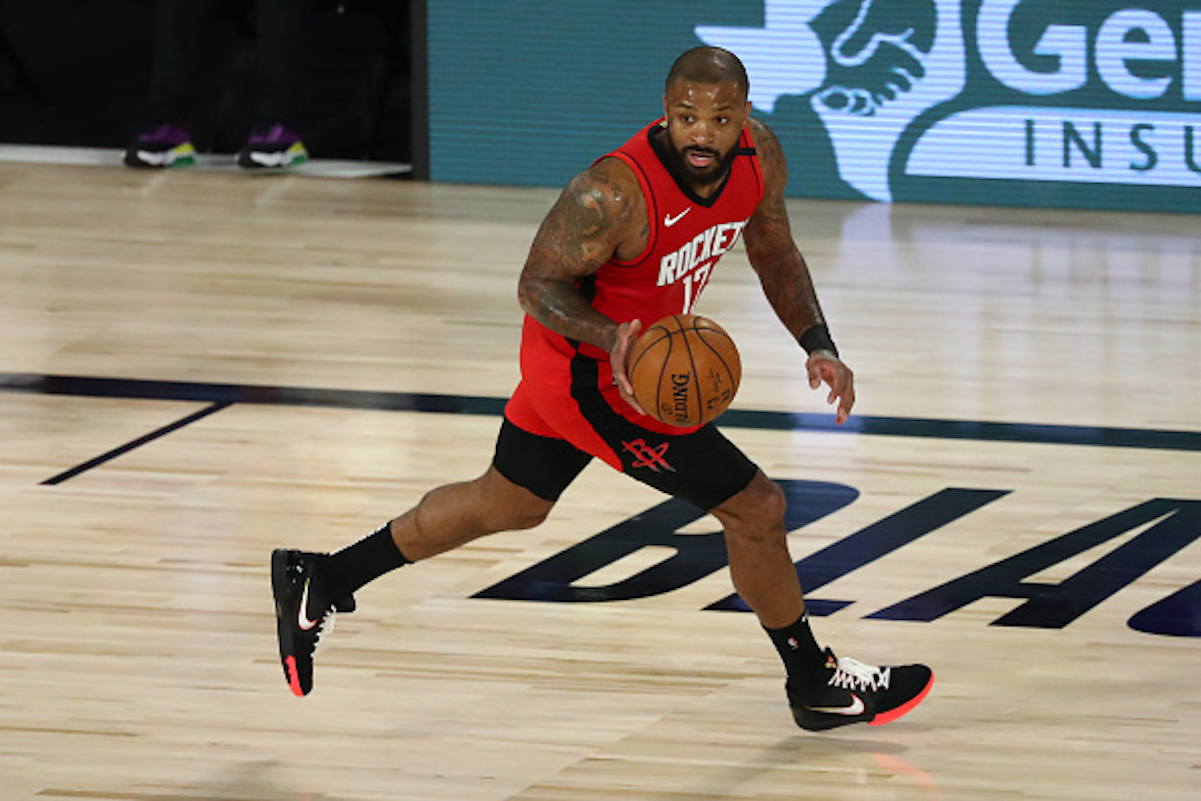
(136, 443)
(982, 431)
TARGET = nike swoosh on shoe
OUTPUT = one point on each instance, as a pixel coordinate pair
(856, 707)
(303, 613)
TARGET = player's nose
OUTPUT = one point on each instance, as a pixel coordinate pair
(702, 134)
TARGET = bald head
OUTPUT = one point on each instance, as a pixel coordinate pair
(708, 65)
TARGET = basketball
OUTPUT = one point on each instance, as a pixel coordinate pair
(685, 370)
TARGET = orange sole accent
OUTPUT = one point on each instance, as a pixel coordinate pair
(889, 717)
(293, 676)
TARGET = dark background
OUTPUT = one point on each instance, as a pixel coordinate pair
(76, 72)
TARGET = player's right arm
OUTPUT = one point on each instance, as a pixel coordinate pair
(600, 215)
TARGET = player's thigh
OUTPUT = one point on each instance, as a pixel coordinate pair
(541, 466)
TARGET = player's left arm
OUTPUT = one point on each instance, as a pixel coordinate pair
(785, 277)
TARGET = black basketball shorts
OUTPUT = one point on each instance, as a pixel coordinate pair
(544, 443)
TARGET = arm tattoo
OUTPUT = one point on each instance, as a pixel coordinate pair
(580, 234)
(773, 253)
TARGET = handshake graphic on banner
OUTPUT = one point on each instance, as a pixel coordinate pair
(871, 68)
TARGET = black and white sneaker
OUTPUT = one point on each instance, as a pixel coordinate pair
(302, 614)
(845, 691)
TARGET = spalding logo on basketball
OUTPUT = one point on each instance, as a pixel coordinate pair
(685, 370)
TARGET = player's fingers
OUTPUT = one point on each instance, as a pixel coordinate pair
(844, 408)
(815, 376)
(846, 399)
(832, 376)
(627, 335)
(621, 349)
(625, 388)
(629, 398)
(625, 385)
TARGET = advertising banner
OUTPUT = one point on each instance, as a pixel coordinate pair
(1067, 103)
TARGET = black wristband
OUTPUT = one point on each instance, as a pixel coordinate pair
(817, 337)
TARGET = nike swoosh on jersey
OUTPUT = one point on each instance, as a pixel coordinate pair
(856, 707)
(303, 615)
(669, 221)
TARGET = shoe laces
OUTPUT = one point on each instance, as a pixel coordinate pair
(851, 674)
(324, 627)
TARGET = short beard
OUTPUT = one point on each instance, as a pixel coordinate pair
(696, 177)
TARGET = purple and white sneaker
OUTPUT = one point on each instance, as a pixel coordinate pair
(167, 145)
(274, 148)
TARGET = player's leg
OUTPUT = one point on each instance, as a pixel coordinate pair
(518, 490)
(706, 469)
(455, 514)
(823, 690)
(761, 567)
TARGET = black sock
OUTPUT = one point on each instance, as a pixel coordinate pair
(798, 648)
(346, 570)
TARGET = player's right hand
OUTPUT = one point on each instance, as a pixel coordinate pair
(627, 335)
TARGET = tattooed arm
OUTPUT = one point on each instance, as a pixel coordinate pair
(784, 274)
(773, 252)
(601, 214)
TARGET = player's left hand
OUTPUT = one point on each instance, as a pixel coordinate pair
(824, 366)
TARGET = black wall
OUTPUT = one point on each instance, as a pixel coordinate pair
(76, 72)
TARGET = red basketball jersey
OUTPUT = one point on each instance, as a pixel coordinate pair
(688, 235)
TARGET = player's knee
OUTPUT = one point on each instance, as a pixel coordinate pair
(509, 507)
(525, 516)
(756, 511)
(767, 501)
(776, 502)
(516, 510)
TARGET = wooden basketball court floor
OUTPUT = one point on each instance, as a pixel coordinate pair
(200, 366)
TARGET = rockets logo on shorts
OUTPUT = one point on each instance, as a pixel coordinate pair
(646, 456)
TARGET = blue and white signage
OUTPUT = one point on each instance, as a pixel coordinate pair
(1090, 103)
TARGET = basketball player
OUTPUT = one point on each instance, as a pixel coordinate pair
(632, 239)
